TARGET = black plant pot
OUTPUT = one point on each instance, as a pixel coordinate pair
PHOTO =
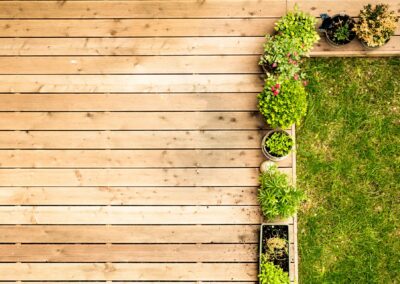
(330, 25)
(268, 231)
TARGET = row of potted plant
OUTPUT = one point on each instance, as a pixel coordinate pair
(374, 27)
(282, 103)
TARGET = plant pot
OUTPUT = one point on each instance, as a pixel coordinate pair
(331, 24)
(265, 151)
(281, 231)
(367, 47)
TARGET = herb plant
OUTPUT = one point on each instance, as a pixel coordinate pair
(276, 248)
(299, 25)
(376, 25)
(279, 144)
(277, 197)
(283, 101)
(272, 274)
(342, 33)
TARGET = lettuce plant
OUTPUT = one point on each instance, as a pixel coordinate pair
(272, 274)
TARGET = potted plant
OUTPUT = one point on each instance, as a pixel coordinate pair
(277, 144)
(338, 29)
(375, 25)
(277, 197)
(283, 101)
(274, 260)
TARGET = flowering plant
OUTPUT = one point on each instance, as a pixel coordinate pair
(376, 25)
(281, 55)
(283, 101)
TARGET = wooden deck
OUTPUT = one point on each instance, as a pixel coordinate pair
(130, 139)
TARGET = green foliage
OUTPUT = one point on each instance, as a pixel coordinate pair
(376, 25)
(281, 55)
(282, 103)
(279, 144)
(342, 33)
(276, 196)
(348, 163)
(299, 25)
(272, 274)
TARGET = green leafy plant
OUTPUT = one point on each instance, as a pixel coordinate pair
(376, 25)
(272, 274)
(283, 101)
(299, 25)
(279, 144)
(277, 197)
(281, 55)
(342, 33)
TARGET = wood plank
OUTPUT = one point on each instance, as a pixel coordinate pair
(147, 282)
(133, 158)
(130, 234)
(135, 27)
(143, 9)
(323, 49)
(130, 120)
(129, 83)
(131, 65)
(131, 177)
(130, 253)
(171, 46)
(132, 46)
(139, 215)
(352, 8)
(129, 271)
(128, 196)
(129, 102)
(130, 139)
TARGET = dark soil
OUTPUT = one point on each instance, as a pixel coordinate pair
(331, 25)
(276, 231)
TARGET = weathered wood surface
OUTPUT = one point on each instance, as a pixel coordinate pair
(129, 143)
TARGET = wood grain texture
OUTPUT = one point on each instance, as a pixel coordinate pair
(131, 65)
(131, 139)
(193, 158)
(129, 271)
(129, 234)
(143, 9)
(132, 177)
(128, 196)
(130, 253)
(135, 215)
(130, 120)
(129, 102)
(136, 27)
(129, 83)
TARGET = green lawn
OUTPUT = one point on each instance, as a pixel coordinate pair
(349, 165)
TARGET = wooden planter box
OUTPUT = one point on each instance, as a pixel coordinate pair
(282, 231)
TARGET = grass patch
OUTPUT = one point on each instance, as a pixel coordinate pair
(349, 165)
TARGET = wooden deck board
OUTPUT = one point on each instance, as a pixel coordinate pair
(129, 143)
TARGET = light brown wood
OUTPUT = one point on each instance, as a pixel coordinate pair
(132, 46)
(130, 234)
(130, 139)
(130, 65)
(129, 102)
(183, 215)
(129, 253)
(132, 177)
(133, 158)
(316, 7)
(128, 196)
(136, 27)
(126, 271)
(130, 120)
(129, 83)
(142, 9)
